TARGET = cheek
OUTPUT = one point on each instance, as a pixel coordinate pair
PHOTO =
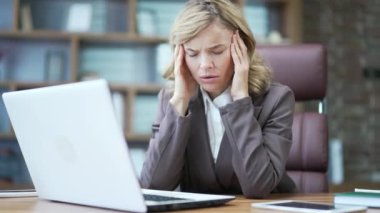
(191, 64)
(226, 63)
(228, 73)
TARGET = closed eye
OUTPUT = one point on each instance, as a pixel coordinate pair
(191, 54)
(218, 49)
(217, 52)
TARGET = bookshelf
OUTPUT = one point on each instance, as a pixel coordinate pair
(123, 41)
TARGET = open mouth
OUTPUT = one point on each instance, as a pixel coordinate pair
(209, 77)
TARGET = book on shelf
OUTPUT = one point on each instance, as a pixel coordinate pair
(146, 22)
(5, 126)
(26, 17)
(259, 25)
(99, 14)
(55, 65)
(145, 107)
(79, 17)
(119, 65)
(6, 15)
(163, 13)
(118, 104)
(163, 59)
(2, 66)
(360, 197)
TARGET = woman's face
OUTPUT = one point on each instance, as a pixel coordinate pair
(208, 57)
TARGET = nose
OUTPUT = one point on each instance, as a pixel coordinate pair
(206, 62)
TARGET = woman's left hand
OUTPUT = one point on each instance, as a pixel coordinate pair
(239, 88)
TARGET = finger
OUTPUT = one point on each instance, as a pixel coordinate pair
(180, 55)
(175, 55)
(176, 49)
(240, 40)
(181, 50)
(177, 61)
(233, 54)
(243, 50)
(237, 49)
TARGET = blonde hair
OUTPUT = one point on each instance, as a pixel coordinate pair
(198, 15)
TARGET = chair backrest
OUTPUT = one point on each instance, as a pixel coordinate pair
(303, 68)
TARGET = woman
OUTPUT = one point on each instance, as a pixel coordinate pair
(223, 127)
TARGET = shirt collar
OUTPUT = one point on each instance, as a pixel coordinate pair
(219, 101)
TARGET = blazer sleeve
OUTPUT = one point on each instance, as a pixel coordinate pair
(164, 161)
(259, 153)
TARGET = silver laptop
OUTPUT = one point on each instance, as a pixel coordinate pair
(76, 151)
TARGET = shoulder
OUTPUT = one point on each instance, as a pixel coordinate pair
(278, 90)
(275, 94)
(165, 93)
(167, 90)
(164, 97)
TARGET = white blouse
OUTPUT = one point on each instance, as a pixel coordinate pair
(214, 120)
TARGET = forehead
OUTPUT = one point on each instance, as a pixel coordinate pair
(214, 34)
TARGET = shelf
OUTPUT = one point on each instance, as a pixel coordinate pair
(129, 137)
(7, 136)
(19, 85)
(138, 137)
(141, 87)
(118, 37)
(46, 35)
(145, 88)
(85, 37)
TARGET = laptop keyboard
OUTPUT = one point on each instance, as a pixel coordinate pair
(160, 198)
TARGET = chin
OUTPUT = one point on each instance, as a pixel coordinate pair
(208, 88)
(212, 90)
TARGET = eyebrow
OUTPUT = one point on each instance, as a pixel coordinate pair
(209, 48)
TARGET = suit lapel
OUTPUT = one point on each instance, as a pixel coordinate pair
(257, 111)
(201, 157)
(223, 167)
(257, 104)
(222, 171)
(199, 125)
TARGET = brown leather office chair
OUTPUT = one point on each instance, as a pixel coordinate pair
(303, 68)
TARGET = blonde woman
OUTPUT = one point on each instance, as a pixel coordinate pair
(223, 127)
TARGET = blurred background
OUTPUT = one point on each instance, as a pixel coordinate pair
(49, 42)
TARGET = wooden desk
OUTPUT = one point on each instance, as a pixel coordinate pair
(33, 204)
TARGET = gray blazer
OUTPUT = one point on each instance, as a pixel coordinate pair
(252, 155)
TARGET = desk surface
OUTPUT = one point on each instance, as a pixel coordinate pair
(33, 204)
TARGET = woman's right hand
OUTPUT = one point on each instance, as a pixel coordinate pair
(184, 83)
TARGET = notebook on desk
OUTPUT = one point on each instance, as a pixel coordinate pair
(76, 151)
